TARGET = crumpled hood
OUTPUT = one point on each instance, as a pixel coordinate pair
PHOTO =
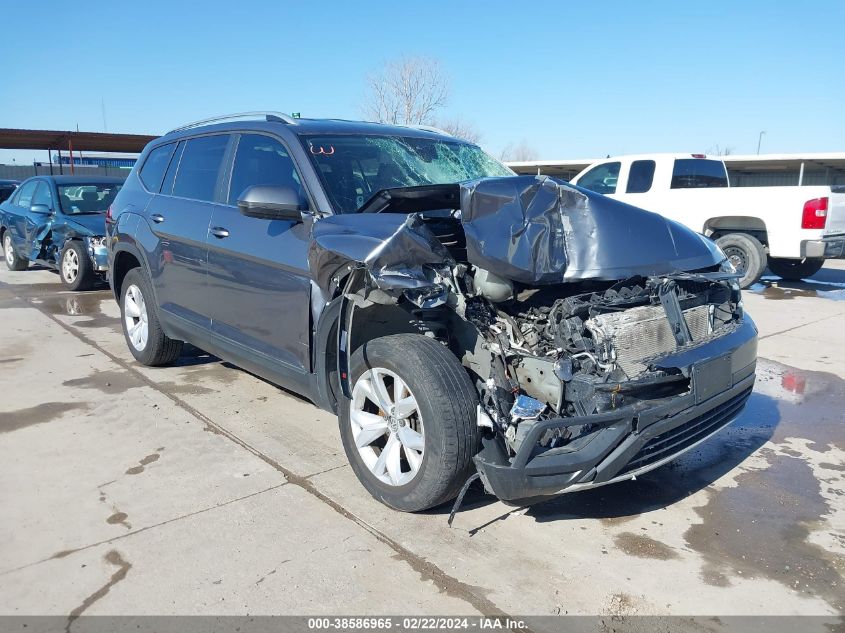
(87, 225)
(538, 230)
(531, 229)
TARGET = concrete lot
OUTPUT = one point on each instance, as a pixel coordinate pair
(202, 489)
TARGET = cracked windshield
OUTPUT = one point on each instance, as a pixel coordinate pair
(354, 168)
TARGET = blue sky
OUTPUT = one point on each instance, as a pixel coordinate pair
(572, 80)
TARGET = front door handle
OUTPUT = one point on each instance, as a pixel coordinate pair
(158, 218)
(219, 232)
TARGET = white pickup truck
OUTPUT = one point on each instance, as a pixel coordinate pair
(790, 229)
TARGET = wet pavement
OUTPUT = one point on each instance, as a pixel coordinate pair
(208, 465)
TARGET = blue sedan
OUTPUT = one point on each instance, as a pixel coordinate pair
(59, 221)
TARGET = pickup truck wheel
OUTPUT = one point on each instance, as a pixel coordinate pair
(75, 267)
(747, 255)
(13, 261)
(141, 326)
(795, 269)
(409, 430)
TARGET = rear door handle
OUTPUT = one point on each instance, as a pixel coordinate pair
(158, 218)
(219, 232)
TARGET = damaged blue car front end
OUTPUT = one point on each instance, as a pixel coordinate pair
(50, 216)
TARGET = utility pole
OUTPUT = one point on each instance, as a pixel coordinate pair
(103, 106)
(760, 140)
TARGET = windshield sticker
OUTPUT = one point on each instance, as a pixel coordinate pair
(317, 150)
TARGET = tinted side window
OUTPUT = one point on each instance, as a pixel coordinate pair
(640, 176)
(170, 176)
(601, 178)
(25, 196)
(690, 173)
(152, 172)
(43, 195)
(261, 160)
(199, 167)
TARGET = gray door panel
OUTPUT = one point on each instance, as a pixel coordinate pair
(258, 284)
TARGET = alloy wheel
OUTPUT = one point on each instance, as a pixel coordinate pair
(70, 265)
(135, 318)
(387, 426)
(8, 249)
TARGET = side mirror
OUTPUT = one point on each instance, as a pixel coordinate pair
(271, 202)
(40, 209)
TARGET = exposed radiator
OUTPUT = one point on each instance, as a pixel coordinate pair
(645, 332)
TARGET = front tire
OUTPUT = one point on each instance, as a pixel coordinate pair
(410, 430)
(13, 260)
(141, 326)
(747, 255)
(75, 267)
(795, 269)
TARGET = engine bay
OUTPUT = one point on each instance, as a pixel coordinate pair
(559, 351)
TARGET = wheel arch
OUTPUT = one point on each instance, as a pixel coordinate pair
(371, 321)
(716, 227)
(125, 258)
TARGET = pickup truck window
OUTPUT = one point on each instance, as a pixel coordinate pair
(601, 178)
(694, 173)
(641, 176)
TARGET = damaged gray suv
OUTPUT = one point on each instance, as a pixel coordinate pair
(458, 319)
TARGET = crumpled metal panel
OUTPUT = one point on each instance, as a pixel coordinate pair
(531, 229)
(41, 228)
(537, 230)
(514, 227)
(393, 248)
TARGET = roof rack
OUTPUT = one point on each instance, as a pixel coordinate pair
(279, 117)
(424, 128)
(431, 128)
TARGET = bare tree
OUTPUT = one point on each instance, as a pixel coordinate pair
(461, 129)
(718, 150)
(407, 91)
(518, 152)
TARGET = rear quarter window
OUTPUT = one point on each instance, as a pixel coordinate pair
(152, 173)
(698, 173)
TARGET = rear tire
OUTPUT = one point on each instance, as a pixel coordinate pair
(13, 260)
(141, 326)
(747, 255)
(75, 267)
(443, 413)
(795, 269)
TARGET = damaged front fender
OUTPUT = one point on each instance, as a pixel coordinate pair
(394, 249)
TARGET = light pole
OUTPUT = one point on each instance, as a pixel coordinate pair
(760, 140)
